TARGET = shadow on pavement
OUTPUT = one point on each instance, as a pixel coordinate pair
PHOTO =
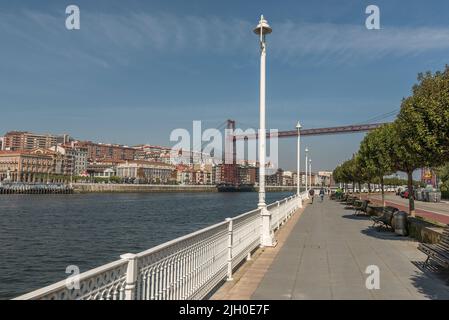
(425, 282)
(356, 217)
(384, 234)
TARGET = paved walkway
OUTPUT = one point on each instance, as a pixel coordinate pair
(326, 254)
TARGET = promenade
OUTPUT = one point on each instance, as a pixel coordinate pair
(324, 256)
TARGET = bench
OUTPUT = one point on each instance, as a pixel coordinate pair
(362, 207)
(438, 252)
(385, 219)
(351, 200)
(344, 197)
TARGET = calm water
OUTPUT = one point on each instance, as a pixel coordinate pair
(40, 235)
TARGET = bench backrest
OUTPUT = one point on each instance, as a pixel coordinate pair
(365, 205)
(444, 240)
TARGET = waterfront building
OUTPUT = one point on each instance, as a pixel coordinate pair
(275, 179)
(203, 174)
(184, 174)
(324, 178)
(139, 171)
(24, 140)
(247, 174)
(77, 155)
(39, 165)
(97, 152)
(104, 170)
(287, 178)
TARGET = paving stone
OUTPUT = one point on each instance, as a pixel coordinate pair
(327, 252)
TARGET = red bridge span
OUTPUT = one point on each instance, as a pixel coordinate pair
(312, 132)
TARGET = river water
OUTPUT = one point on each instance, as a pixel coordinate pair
(40, 235)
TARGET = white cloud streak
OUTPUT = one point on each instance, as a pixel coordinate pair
(106, 39)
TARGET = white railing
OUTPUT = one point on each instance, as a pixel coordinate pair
(186, 268)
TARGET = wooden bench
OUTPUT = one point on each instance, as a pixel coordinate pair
(438, 252)
(362, 207)
(344, 197)
(385, 219)
(351, 200)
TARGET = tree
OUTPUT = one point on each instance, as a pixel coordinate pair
(428, 114)
(443, 175)
(423, 126)
(374, 155)
(404, 156)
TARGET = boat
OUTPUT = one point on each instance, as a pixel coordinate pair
(227, 187)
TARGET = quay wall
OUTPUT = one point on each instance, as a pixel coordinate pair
(99, 187)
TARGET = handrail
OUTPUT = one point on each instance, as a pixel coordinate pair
(187, 267)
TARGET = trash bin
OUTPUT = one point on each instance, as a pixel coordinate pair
(400, 223)
(434, 196)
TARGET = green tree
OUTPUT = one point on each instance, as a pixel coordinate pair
(404, 156)
(375, 156)
(423, 126)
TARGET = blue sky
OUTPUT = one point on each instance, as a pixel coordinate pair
(139, 69)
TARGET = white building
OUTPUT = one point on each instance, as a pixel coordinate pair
(78, 156)
(323, 178)
(145, 171)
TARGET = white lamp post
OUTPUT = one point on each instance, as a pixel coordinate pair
(298, 167)
(307, 176)
(310, 173)
(267, 239)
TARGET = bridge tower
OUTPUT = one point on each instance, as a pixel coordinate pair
(229, 173)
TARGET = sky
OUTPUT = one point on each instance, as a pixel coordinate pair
(136, 70)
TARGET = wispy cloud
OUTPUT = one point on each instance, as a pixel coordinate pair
(334, 43)
(107, 39)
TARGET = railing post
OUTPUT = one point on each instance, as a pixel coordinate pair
(279, 215)
(131, 275)
(230, 236)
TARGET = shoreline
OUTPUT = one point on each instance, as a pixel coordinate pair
(148, 188)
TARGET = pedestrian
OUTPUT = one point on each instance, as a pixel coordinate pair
(311, 193)
(322, 194)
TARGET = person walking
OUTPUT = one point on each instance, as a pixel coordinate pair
(311, 193)
(322, 194)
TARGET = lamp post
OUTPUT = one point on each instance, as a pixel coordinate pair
(267, 239)
(298, 167)
(310, 173)
(307, 166)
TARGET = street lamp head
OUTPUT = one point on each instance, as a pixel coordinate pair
(307, 150)
(263, 27)
(310, 160)
(298, 126)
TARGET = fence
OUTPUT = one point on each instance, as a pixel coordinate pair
(186, 268)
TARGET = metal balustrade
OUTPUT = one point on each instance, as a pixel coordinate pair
(186, 268)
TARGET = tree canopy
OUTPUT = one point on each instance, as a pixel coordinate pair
(418, 138)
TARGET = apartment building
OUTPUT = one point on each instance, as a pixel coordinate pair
(24, 140)
(97, 152)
